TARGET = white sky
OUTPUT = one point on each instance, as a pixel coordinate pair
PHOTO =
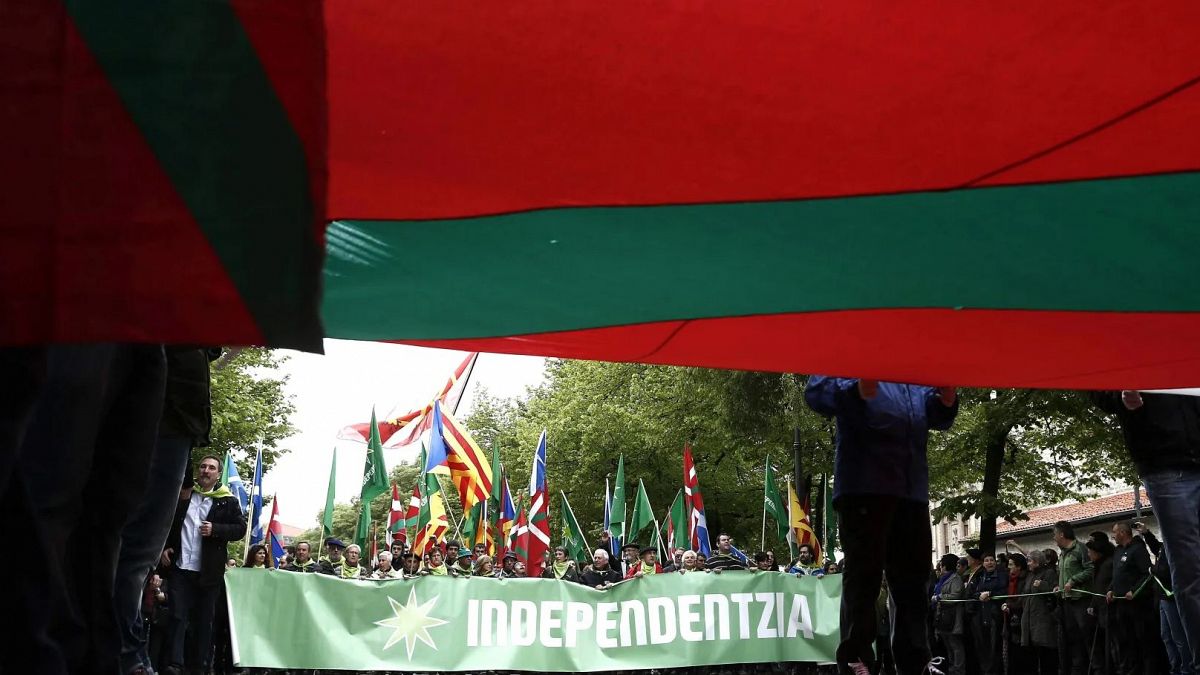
(339, 388)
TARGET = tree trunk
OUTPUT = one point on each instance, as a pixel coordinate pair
(993, 466)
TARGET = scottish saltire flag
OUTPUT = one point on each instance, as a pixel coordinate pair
(694, 505)
(234, 482)
(737, 553)
(256, 530)
(275, 532)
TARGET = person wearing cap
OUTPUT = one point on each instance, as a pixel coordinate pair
(1075, 570)
(333, 560)
(506, 566)
(948, 620)
(562, 567)
(1100, 620)
(600, 574)
(646, 566)
(985, 617)
(462, 566)
(629, 557)
(303, 561)
(881, 494)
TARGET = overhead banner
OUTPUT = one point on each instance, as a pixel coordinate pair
(287, 620)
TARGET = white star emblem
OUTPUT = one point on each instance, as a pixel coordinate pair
(411, 622)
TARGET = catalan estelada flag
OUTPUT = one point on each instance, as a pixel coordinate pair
(999, 194)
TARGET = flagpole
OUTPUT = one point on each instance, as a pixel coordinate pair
(466, 381)
(763, 542)
(449, 511)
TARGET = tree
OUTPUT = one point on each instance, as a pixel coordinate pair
(250, 406)
(597, 411)
(1036, 447)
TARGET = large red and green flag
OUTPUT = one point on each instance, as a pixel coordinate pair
(999, 216)
(677, 530)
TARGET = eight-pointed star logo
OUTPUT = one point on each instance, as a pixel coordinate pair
(411, 622)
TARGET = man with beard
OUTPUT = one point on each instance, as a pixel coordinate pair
(806, 564)
(629, 558)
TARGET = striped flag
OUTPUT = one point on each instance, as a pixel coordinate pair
(256, 505)
(432, 523)
(414, 422)
(507, 519)
(800, 530)
(538, 536)
(275, 533)
(518, 542)
(396, 515)
(453, 452)
(693, 503)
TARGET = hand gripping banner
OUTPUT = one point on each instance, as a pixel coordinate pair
(285, 620)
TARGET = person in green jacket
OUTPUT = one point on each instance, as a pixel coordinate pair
(1074, 571)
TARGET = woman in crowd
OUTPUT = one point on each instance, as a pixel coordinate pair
(256, 557)
(1039, 627)
(948, 616)
(691, 562)
(484, 567)
(1019, 660)
(563, 568)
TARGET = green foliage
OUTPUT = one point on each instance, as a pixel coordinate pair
(596, 411)
(250, 406)
(1056, 446)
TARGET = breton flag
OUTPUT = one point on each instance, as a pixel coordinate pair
(452, 451)
(693, 503)
(275, 533)
(415, 422)
(539, 513)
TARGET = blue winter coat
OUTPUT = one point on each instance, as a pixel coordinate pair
(881, 443)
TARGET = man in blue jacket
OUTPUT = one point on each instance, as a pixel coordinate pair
(881, 494)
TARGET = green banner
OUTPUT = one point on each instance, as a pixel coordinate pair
(288, 620)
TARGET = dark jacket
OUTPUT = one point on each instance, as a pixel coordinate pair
(572, 573)
(1162, 434)
(228, 524)
(1101, 583)
(995, 583)
(1162, 566)
(1131, 570)
(1039, 628)
(881, 443)
(312, 567)
(593, 577)
(187, 401)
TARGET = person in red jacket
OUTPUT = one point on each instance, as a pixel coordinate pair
(647, 565)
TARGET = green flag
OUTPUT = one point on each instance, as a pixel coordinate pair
(773, 502)
(642, 513)
(473, 526)
(572, 535)
(327, 519)
(678, 522)
(374, 482)
(617, 509)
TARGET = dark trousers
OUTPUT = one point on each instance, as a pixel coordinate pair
(193, 607)
(1077, 636)
(1045, 661)
(956, 654)
(884, 535)
(142, 540)
(1136, 635)
(985, 634)
(81, 470)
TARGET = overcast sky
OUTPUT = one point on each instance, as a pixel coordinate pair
(339, 388)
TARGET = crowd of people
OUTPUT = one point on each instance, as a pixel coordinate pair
(1099, 606)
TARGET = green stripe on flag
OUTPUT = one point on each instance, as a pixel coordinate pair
(1124, 244)
(192, 82)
